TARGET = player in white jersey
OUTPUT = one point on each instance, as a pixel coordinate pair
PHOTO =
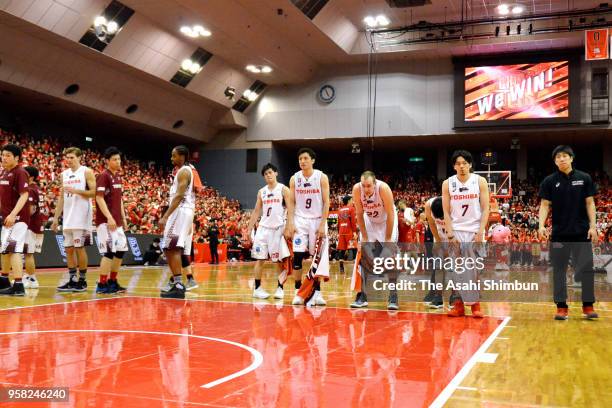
(78, 187)
(465, 198)
(377, 220)
(435, 218)
(308, 222)
(177, 222)
(273, 200)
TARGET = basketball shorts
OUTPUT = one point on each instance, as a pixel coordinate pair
(178, 231)
(13, 240)
(344, 241)
(34, 243)
(270, 243)
(77, 238)
(111, 241)
(376, 230)
(305, 238)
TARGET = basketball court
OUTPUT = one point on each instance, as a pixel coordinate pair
(217, 348)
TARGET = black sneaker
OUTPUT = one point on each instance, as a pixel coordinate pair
(115, 287)
(4, 283)
(102, 288)
(429, 297)
(15, 290)
(451, 300)
(176, 292)
(360, 301)
(68, 286)
(80, 286)
(436, 302)
(392, 304)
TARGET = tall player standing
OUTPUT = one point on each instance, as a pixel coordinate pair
(377, 219)
(15, 214)
(110, 222)
(177, 222)
(78, 186)
(269, 241)
(308, 222)
(465, 199)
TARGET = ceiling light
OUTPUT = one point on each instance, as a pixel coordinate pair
(503, 9)
(382, 20)
(195, 31)
(195, 68)
(186, 64)
(518, 9)
(99, 21)
(252, 96)
(266, 69)
(112, 27)
(257, 69)
(230, 92)
(370, 21)
(246, 93)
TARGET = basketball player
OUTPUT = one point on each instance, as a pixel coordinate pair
(177, 222)
(78, 186)
(269, 241)
(308, 222)
(377, 219)
(111, 222)
(465, 199)
(434, 213)
(35, 228)
(15, 214)
(347, 228)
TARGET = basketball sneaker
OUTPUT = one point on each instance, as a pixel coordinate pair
(115, 287)
(392, 304)
(476, 312)
(80, 286)
(102, 288)
(562, 313)
(15, 290)
(4, 282)
(360, 301)
(436, 303)
(319, 301)
(260, 293)
(458, 309)
(279, 293)
(429, 297)
(68, 286)
(30, 282)
(589, 312)
(176, 292)
(191, 284)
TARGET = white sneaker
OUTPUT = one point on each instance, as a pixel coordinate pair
(319, 301)
(260, 293)
(280, 293)
(297, 300)
(32, 282)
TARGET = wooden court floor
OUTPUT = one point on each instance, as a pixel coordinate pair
(220, 347)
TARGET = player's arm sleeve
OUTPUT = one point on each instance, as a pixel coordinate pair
(545, 190)
(590, 189)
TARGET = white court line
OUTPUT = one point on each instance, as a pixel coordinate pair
(467, 388)
(487, 358)
(257, 357)
(460, 376)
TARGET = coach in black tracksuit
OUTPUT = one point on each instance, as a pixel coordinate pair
(569, 193)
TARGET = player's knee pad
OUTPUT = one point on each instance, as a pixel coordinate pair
(119, 254)
(108, 255)
(298, 258)
(185, 261)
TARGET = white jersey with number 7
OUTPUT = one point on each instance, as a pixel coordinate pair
(465, 203)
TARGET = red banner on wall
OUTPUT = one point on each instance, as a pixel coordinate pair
(596, 44)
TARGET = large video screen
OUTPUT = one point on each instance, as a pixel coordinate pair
(526, 92)
(523, 91)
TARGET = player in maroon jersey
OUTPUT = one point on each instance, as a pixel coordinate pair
(347, 228)
(110, 222)
(15, 214)
(35, 228)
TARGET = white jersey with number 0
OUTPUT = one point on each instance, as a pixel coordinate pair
(465, 203)
(373, 206)
(188, 200)
(77, 212)
(308, 195)
(273, 211)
